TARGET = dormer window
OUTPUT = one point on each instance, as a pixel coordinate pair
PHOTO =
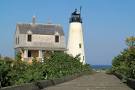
(29, 38)
(56, 38)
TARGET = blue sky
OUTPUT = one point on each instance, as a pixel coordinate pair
(106, 23)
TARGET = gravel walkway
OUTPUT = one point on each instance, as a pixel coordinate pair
(97, 81)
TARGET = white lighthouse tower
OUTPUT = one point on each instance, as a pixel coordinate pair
(75, 39)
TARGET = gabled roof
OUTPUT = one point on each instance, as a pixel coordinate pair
(43, 29)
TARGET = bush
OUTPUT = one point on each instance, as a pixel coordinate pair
(58, 64)
(124, 63)
(5, 68)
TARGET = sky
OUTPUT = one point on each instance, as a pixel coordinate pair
(106, 23)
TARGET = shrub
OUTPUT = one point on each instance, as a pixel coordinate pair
(124, 63)
(58, 64)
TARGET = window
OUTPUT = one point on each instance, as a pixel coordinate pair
(29, 53)
(29, 38)
(80, 45)
(18, 39)
(57, 39)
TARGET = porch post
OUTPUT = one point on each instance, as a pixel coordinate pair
(25, 53)
(40, 54)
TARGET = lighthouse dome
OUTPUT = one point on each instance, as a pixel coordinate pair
(75, 17)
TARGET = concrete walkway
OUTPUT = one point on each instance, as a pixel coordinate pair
(97, 81)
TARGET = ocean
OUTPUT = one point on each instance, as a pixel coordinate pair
(101, 66)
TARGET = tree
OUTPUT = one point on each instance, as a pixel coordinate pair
(130, 41)
(0, 56)
(124, 63)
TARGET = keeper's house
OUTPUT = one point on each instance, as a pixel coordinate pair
(37, 40)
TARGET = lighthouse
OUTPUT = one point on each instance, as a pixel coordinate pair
(75, 44)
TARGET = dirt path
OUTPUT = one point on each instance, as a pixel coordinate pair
(98, 81)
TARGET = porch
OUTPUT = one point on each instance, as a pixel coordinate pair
(29, 55)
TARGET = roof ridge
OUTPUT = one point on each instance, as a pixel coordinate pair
(39, 24)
